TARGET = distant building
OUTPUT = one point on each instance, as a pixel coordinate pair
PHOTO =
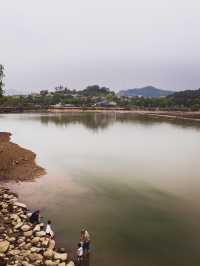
(44, 92)
(105, 103)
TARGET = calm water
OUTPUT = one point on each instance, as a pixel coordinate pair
(134, 182)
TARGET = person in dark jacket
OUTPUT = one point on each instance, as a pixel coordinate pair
(35, 217)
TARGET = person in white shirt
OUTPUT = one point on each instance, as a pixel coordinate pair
(86, 244)
(49, 231)
(80, 252)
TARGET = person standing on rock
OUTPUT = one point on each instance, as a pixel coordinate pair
(80, 253)
(85, 240)
(86, 245)
(35, 217)
(49, 231)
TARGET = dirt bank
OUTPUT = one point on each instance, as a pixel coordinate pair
(17, 163)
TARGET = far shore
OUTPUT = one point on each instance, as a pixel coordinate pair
(185, 115)
(168, 114)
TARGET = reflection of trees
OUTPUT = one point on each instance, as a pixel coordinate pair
(93, 121)
(97, 121)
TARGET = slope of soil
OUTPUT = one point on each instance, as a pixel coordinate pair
(17, 163)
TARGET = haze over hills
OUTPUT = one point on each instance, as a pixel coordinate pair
(146, 92)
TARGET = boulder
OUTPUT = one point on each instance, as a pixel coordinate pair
(60, 256)
(52, 244)
(50, 263)
(35, 249)
(25, 228)
(2, 229)
(4, 246)
(35, 240)
(34, 256)
(40, 233)
(45, 242)
(21, 205)
(28, 233)
(14, 217)
(48, 253)
(62, 264)
(28, 246)
(71, 263)
(18, 225)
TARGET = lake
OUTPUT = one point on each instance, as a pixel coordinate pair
(132, 181)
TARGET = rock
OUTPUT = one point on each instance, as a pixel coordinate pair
(48, 253)
(35, 250)
(45, 242)
(21, 205)
(34, 256)
(38, 262)
(20, 240)
(14, 216)
(62, 264)
(18, 225)
(40, 233)
(25, 228)
(35, 240)
(27, 246)
(37, 228)
(12, 239)
(2, 229)
(71, 263)
(50, 263)
(23, 216)
(28, 233)
(25, 263)
(52, 244)
(4, 245)
(14, 252)
(60, 256)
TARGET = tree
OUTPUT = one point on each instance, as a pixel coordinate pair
(1, 80)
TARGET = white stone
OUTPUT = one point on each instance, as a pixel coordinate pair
(25, 228)
(40, 233)
(19, 204)
(60, 256)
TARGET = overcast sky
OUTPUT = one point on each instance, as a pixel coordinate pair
(117, 43)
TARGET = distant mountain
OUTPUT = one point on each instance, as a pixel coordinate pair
(146, 92)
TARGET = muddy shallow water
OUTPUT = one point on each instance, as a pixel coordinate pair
(134, 182)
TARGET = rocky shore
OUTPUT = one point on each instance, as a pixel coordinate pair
(22, 243)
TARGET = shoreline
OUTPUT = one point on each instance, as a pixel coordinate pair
(21, 243)
(177, 114)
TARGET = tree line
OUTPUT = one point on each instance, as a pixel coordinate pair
(189, 99)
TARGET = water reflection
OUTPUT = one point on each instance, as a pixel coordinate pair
(97, 120)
